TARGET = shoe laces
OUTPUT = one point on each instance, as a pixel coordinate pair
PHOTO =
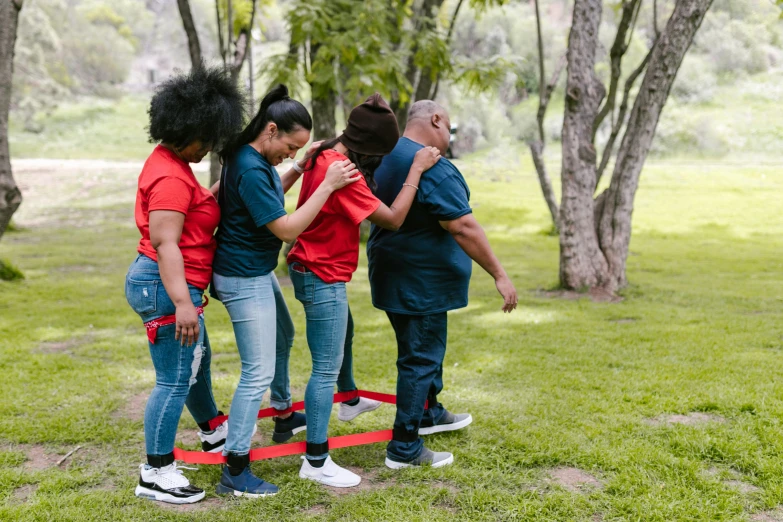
(171, 477)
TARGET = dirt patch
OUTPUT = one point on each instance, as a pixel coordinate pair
(21, 494)
(775, 515)
(65, 347)
(370, 482)
(574, 479)
(284, 281)
(38, 457)
(188, 438)
(597, 295)
(134, 408)
(694, 418)
(742, 487)
(314, 511)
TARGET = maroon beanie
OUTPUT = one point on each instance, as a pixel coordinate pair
(372, 128)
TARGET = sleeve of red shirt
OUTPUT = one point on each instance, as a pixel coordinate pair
(170, 193)
(355, 201)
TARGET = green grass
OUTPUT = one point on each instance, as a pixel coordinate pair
(89, 128)
(558, 383)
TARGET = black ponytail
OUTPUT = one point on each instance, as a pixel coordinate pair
(365, 164)
(289, 115)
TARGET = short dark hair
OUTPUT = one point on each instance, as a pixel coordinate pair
(289, 115)
(203, 105)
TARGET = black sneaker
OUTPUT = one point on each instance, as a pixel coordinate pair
(288, 427)
(448, 422)
(167, 484)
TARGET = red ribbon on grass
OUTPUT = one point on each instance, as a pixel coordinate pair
(295, 448)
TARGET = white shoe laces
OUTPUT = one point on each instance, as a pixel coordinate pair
(170, 477)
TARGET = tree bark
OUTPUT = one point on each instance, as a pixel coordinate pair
(324, 100)
(10, 195)
(190, 30)
(582, 263)
(614, 227)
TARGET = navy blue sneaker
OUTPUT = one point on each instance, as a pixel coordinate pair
(287, 428)
(244, 485)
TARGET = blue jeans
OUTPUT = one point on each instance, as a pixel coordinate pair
(182, 373)
(330, 338)
(421, 347)
(264, 334)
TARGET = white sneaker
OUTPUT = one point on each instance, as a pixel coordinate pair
(167, 484)
(213, 442)
(349, 413)
(330, 474)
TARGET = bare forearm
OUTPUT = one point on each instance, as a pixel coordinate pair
(288, 179)
(392, 217)
(288, 227)
(172, 272)
(472, 239)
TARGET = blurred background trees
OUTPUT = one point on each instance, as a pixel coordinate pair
(79, 61)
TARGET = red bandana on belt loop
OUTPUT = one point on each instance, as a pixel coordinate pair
(152, 326)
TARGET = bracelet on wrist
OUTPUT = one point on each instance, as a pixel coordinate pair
(409, 185)
(297, 168)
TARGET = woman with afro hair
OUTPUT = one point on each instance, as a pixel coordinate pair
(190, 115)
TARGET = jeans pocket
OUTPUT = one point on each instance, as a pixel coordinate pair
(303, 286)
(142, 295)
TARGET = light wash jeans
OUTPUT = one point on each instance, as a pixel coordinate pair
(182, 373)
(264, 334)
(329, 336)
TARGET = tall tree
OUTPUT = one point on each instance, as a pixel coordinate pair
(10, 195)
(239, 18)
(595, 233)
(194, 47)
(345, 49)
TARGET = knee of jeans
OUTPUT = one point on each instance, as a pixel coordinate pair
(256, 375)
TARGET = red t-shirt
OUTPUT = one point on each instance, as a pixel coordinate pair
(167, 183)
(330, 245)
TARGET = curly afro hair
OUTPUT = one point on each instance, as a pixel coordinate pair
(202, 105)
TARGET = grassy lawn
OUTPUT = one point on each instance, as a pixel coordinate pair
(666, 406)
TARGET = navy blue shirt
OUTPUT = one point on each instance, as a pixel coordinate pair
(420, 269)
(251, 196)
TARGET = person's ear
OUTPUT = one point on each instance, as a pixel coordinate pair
(272, 129)
(436, 121)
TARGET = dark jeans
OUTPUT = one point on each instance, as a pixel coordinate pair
(421, 346)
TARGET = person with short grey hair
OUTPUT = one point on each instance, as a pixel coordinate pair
(419, 273)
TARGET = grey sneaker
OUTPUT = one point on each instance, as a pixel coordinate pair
(448, 422)
(435, 459)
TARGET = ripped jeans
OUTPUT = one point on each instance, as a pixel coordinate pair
(182, 373)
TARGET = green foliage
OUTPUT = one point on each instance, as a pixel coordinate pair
(9, 272)
(369, 46)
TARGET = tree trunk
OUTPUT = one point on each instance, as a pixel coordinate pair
(595, 235)
(190, 30)
(614, 226)
(324, 99)
(581, 262)
(10, 195)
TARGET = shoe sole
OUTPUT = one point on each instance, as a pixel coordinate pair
(220, 489)
(282, 437)
(330, 484)
(150, 494)
(446, 427)
(393, 464)
(348, 418)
